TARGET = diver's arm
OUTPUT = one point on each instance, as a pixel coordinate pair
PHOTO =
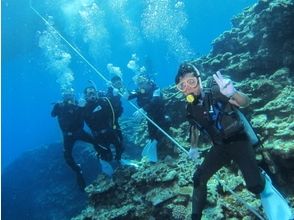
(239, 99)
(156, 102)
(55, 110)
(109, 92)
(132, 95)
(227, 89)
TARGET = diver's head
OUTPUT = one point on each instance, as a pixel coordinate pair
(143, 83)
(91, 94)
(188, 80)
(69, 97)
(117, 82)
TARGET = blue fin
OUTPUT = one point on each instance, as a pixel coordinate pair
(274, 204)
(106, 167)
(150, 151)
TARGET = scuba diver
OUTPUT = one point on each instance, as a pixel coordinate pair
(150, 101)
(215, 111)
(71, 123)
(100, 116)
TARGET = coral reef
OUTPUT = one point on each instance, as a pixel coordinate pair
(260, 41)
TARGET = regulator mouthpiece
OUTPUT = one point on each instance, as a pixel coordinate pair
(190, 98)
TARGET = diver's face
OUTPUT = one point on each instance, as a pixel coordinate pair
(189, 84)
(69, 99)
(91, 95)
(117, 84)
(145, 85)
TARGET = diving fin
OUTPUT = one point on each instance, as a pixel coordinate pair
(106, 167)
(129, 162)
(274, 204)
(150, 151)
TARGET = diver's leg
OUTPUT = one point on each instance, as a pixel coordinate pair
(213, 161)
(68, 147)
(152, 130)
(102, 146)
(150, 150)
(104, 153)
(274, 205)
(85, 136)
(118, 146)
(243, 154)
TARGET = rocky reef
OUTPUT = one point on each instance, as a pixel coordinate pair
(258, 54)
(160, 191)
(260, 41)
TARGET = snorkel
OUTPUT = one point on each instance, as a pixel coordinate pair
(93, 84)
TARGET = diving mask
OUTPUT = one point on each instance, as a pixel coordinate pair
(191, 82)
(69, 98)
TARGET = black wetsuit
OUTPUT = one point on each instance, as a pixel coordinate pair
(236, 147)
(100, 119)
(71, 122)
(155, 109)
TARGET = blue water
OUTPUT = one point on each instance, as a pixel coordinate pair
(104, 33)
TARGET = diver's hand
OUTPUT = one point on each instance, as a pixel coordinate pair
(115, 92)
(226, 86)
(125, 94)
(193, 153)
(138, 115)
(108, 84)
(156, 93)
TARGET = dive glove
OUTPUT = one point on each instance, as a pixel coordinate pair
(226, 85)
(115, 92)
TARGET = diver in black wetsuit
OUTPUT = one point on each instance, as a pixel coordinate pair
(71, 122)
(150, 100)
(215, 111)
(100, 117)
